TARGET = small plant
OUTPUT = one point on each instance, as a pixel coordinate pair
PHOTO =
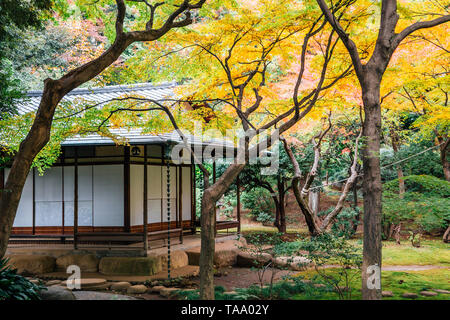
(329, 249)
(261, 250)
(14, 286)
(414, 237)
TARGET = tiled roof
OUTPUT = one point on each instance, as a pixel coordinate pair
(133, 136)
(97, 95)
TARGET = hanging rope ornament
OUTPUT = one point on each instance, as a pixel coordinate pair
(168, 219)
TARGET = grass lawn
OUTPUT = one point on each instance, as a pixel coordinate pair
(431, 252)
(397, 282)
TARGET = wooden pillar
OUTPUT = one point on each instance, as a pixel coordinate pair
(145, 215)
(34, 201)
(180, 201)
(162, 189)
(193, 197)
(63, 209)
(75, 202)
(126, 189)
(238, 198)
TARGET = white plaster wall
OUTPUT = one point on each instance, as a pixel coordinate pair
(69, 186)
(187, 193)
(154, 193)
(136, 194)
(85, 203)
(49, 197)
(108, 195)
(24, 215)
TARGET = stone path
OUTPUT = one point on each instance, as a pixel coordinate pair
(186, 271)
(94, 295)
(412, 268)
(402, 268)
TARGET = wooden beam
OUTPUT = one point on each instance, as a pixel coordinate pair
(75, 201)
(145, 216)
(126, 189)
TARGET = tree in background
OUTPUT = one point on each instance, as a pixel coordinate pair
(16, 17)
(278, 186)
(315, 226)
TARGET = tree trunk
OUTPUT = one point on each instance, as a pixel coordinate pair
(211, 195)
(355, 206)
(401, 181)
(282, 211)
(276, 223)
(208, 228)
(446, 237)
(36, 139)
(371, 187)
(444, 161)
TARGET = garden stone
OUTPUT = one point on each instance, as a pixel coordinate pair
(32, 264)
(248, 260)
(387, 294)
(441, 291)
(86, 262)
(293, 263)
(53, 282)
(136, 266)
(137, 289)
(168, 292)
(120, 286)
(157, 289)
(57, 293)
(178, 259)
(410, 295)
(428, 293)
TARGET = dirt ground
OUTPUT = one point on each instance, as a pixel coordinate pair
(234, 278)
(244, 277)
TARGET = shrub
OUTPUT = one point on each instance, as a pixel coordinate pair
(329, 249)
(421, 184)
(14, 286)
(345, 222)
(257, 200)
(423, 207)
(265, 218)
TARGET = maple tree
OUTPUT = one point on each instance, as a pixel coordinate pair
(235, 61)
(369, 69)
